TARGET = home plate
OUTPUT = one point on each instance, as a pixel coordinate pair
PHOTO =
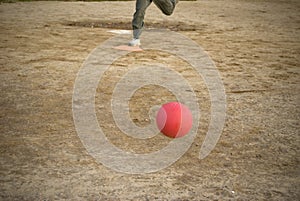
(128, 48)
(120, 31)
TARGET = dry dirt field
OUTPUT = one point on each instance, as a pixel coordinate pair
(255, 45)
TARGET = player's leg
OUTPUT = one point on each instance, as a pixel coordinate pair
(138, 20)
(166, 6)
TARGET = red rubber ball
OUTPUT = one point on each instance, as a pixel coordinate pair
(174, 119)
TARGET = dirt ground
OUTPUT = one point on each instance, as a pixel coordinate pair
(255, 46)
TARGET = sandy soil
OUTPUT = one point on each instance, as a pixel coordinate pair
(255, 45)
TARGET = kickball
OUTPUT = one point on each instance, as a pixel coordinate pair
(174, 119)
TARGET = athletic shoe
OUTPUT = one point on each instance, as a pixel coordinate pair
(134, 42)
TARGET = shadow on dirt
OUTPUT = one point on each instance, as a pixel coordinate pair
(173, 26)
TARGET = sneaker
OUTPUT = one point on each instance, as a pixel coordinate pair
(134, 42)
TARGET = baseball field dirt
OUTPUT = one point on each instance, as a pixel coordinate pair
(255, 46)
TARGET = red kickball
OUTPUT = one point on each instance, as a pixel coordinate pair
(174, 119)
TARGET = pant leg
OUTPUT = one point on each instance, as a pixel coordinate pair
(166, 6)
(138, 17)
